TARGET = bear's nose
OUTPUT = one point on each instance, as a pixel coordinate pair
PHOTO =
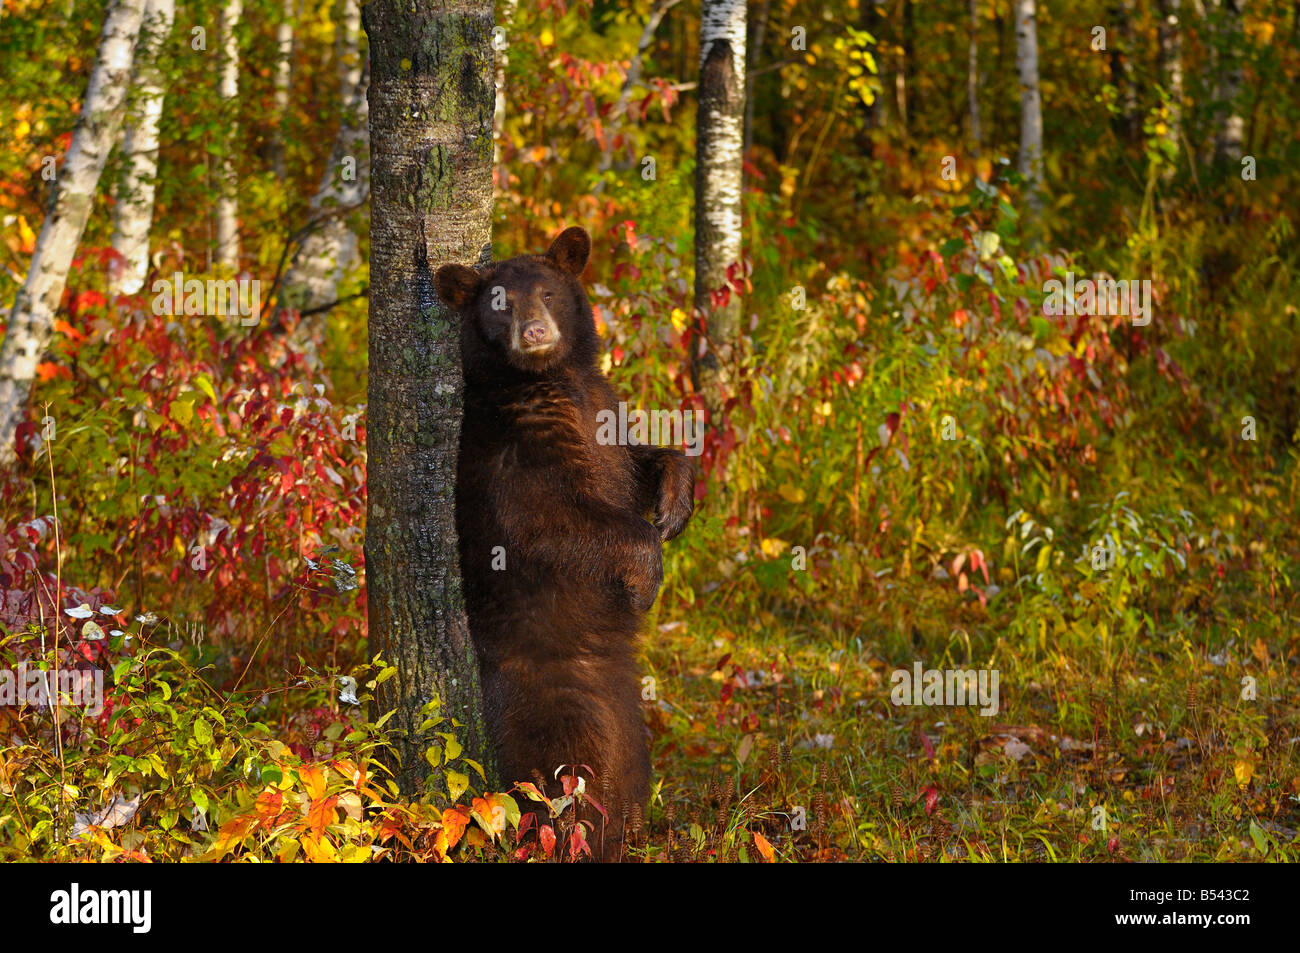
(536, 332)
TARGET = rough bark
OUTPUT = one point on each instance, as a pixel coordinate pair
(431, 105)
(133, 213)
(227, 211)
(1031, 108)
(719, 156)
(31, 320)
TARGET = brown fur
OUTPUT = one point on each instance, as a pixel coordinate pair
(556, 630)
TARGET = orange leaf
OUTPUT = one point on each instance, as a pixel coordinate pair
(764, 848)
(313, 779)
(454, 822)
(322, 814)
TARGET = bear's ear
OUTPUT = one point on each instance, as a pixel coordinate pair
(571, 249)
(457, 285)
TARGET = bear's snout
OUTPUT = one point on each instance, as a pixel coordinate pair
(536, 333)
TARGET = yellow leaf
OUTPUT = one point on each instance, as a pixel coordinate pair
(774, 547)
(547, 37)
(319, 851)
(457, 784)
(792, 494)
(1243, 770)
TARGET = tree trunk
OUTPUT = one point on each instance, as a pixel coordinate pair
(508, 12)
(616, 115)
(283, 82)
(329, 249)
(133, 213)
(719, 156)
(869, 20)
(1031, 108)
(227, 182)
(31, 321)
(1230, 137)
(757, 41)
(431, 108)
(973, 77)
(1119, 48)
(1171, 72)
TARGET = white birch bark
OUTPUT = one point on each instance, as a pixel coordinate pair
(227, 211)
(330, 248)
(1230, 136)
(973, 77)
(133, 213)
(1171, 70)
(719, 154)
(348, 48)
(1031, 107)
(283, 80)
(506, 18)
(31, 321)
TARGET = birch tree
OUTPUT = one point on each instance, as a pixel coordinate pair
(31, 320)
(227, 212)
(431, 107)
(283, 80)
(329, 249)
(1031, 108)
(1230, 135)
(1171, 72)
(973, 75)
(719, 154)
(133, 213)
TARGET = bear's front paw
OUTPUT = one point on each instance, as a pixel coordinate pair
(645, 572)
(676, 496)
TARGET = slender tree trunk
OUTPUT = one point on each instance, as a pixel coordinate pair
(1031, 107)
(870, 21)
(283, 83)
(431, 109)
(31, 321)
(719, 156)
(973, 76)
(1231, 133)
(755, 54)
(1127, 122)
(1171, 72)
(509, 9)
(910, 102)
(133, 213)
(329, 249)
(633, 77)
(227, 252)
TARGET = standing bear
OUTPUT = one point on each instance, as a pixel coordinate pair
(559, 556)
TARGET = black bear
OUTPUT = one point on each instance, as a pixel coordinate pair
(559, 559)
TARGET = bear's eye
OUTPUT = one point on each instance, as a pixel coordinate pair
(547, 296)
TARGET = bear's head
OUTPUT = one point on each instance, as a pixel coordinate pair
(530, 311)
